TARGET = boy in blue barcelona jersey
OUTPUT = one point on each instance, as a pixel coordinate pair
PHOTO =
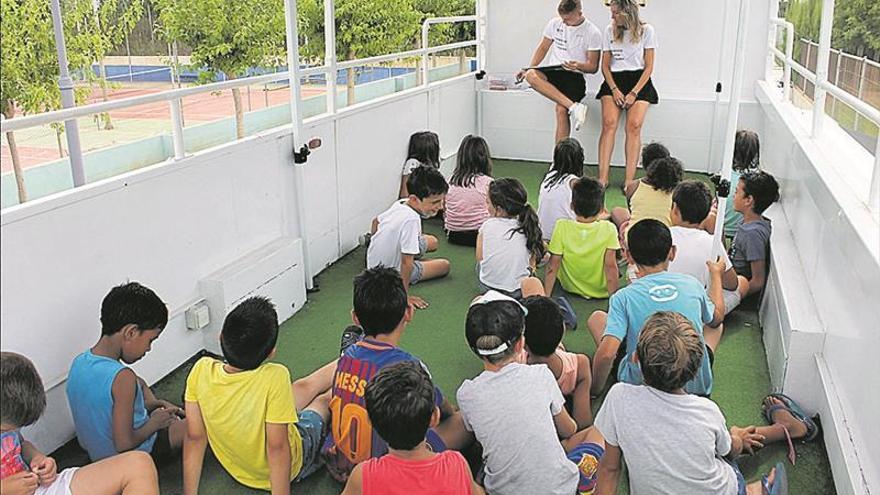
(655, 289)
(382, 311)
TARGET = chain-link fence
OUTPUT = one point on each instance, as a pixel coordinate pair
(858, 76)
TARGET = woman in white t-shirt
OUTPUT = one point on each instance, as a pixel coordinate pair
(554, 197)
(628, 47)
(572, 46)
(423, 149)
(509, 243)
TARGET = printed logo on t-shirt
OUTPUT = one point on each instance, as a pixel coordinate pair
(663, 293)
(617, 53)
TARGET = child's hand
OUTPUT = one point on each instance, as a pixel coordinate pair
(23, 483)
(716, 266)
(45, 468)
(750, 439)
(417, 302)
(162, 417)
(178, 411)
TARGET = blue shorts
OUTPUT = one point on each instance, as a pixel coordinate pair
(311, 429)
(587, 456)
(434, 441)
(740, 479)
(418, 270)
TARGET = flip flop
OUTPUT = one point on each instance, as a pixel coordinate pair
(780, 482)
(795, 410)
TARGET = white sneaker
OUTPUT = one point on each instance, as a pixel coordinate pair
(579, 113)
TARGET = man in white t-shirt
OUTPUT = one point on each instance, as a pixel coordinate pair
(397, 240)
(572, 46)
(691, 202)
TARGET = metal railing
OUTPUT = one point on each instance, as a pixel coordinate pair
(823, 86)
(174, 97)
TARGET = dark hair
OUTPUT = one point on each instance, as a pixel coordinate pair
(653, 151)
(473, 160)
(508, 194)
(132, 303)
(670, 351)
(21, 390)
(379, 300)
(664, 174)
(400, 402)
(426, 181)
(587, 197)
(746, 150)
(568, 6)
(249, 333)
(693, 199)
(491, 324)
(544, 325)
(568, 158)
(649, 242)
(762, 187)
(424, 146)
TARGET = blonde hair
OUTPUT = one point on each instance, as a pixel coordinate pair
(670, 351)
(630, 10)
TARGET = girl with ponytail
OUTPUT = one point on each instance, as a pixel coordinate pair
(510, 243)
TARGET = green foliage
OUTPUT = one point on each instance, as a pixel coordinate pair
(856, 23)
(110, 21)
(225, 35)
(441, 34)
(29, 69)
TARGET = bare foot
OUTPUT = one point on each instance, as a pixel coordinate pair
(782, 417)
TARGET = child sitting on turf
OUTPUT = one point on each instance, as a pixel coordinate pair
(650, 196)
(583, 251)
(509, 243)
(673, 442)
(518, 413)
(691, 202)
(382, 312)
(113, 409)
(746, 158)
(397, 240)
(554, 197)
(264, 431)
(543, 334)
(27, 471)
(423, 149)
(468, 191)
(654, 290)
(750, 250)
(400, 404)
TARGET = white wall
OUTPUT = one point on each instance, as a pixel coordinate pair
(521, 125)
(837, 243)
(170, 225)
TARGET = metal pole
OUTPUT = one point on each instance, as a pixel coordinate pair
(836, 79)
(480, 28)
(721, 61)
(822, 66)
(290, 14)
(330, 54)
(789, 50)
(67, 98)
(732, 118)
(425, 27)
(128, 52)
(861, 86)
(874, 192)
(177, 129)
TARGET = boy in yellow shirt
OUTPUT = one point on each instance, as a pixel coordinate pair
(583, 251)
(264, 431)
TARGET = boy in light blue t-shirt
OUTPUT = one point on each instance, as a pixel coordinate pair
(651, 250)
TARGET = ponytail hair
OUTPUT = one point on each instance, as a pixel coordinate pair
(746, 150)
(568, 158)
(424, 146)
(510, 195)
(473, 160)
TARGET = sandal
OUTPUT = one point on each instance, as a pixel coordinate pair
(795, 410)
(779, 486)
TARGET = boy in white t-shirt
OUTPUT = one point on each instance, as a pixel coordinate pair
(674, 442)
(572, 46)
(397, 240)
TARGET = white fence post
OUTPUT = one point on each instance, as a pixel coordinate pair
(330, 53)
(822, 66)
(177, 129)
(861, 86)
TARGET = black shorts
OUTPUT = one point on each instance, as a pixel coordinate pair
(162, 452)
(626, 80)
(571, 84)
(462, 238)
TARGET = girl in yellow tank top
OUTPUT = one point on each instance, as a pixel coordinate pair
(651, 196)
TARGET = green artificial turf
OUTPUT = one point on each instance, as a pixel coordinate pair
(311, 338)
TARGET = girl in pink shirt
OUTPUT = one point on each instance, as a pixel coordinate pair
(466, 208)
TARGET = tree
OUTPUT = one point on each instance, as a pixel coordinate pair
(107, 27)
(364, 28)
(857, 27)
(226, 37)
(29, 69)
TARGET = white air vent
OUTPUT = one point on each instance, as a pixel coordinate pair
(274, 271)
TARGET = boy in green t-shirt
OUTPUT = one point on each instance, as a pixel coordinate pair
(583, 251)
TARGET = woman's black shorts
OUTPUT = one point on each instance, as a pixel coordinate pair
(626, 80)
